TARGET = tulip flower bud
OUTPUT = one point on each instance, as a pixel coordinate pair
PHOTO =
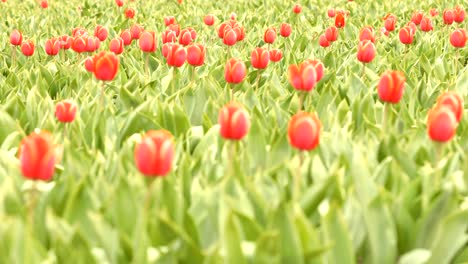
(196, 54)
(79, 44)
(116, 45)
(65, 111)
(136, 31)
(52, 46)
(66, 42)
(119, 3)
(168, 36)
(147, 41)
(366, 51)
(260, 58)
(209, 20)
(458, 14)
(169, 20)
(448, 16)
(176, 55)
(319, 67)
(285, 30)
(391, 86)
(454, 102)
(458, 38)
(390, 21)
(235, 71)
(16, 38)
(433, 12)
(175, 28)
(302, 77)
(331, 33)
(269, 36)
(406, 35)
(126, 36)
(230, 37)
(331, 12)
(367, 33)
(323, 41)
(304, 131)
(426, 24)
(37, 156)
(89, 64)
(27, 48)
(340, 20)
(101, 33)
(297, 8)
(417, 17)
(106, 65)
(155, 153)
(441, 124)
(276, 55)
(234, 121)
(130, 12)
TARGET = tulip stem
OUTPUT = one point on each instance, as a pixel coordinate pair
(386, 111)
(33, 195)
(457, 58)
(363, 71)
(147, 65)
(258, 80)
(174, 74)
(297, 179)
(193, 75)
(13, 56)
(103, 86)
(231, 87)
(301, 100)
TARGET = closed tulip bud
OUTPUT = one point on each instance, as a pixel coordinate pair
(340, 20)
(453, 101)
(126, 36)
(297, 8)
(196, 54)
(16, 38)
(52, 46)
(66, 42)
(285, 30)
(222, 29)
(185, 37)
(106, 65)
(155, 153)
(458, 38)
(413, 27)
(302, 77)
(331, 12)
(269, 36)
(169, 20)
(304, 131)
(116, 45)
(276, 55)
(79, 44)
(331, 33)
(384, 31)
(136, 31)
(79, 31)
(406, 37)
(240, 33)
(176, 55)
(89, 64)
(417, 17)
(130, 12)
(323, 41)
(260, 58)
(235, 71)
(389, 22)
(175, 28)
(367, 33)
(366, 51)
(319, 67)
(391, 86)
(101, 33)
(37, 156)
(441, 124)
(448, 16)
(433, 12)
(168, 36)
(27, 48)
(426, 24)
(458, 14)
(119, 3)
(65, 111)
(230, 37)
(44, 4)
(147, 41)
(92, 44)
(233, 16)
(234, 121)
(209, 20)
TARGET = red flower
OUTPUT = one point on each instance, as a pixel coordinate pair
(168, 36)
(92, 44)
(441, 124)
(304, 131)
(27, 48)
(136, 30)
(285, 30)
(176, 55)
(44, 4)
(390, 21)
(319, 68)
(116, 45)
(101, 33)
(269, 36)
(65, 111)
(16, 38)
(331, 12)
(155, 153)
(187, 36)
(147, 41)
(260, 58)
(119, 2)
(37, 156)
(302, 77)
(234, 121)
(66, 41)
(417, 17)
(366, 51)
(126, 36)
(130, 12)
(209, 20)
(196, 54)
(458, 14)
(235, 71)
(230, 37)
(367, 33)
(276, 55)
(169, 20)
(448, 16)
(426, 24)
(340, 20)
(458, 38)
(391, 86)
(297, 8)
(89, 64)
(52, 46)
(331, 33)
(175, 28)
(79, 31)
(79, 44)
(106, 65)
(453, 101)
(406, 35)
(323, 41)
(433, 12)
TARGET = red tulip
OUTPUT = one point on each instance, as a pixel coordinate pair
(65, 111)
(448, 16)
(458, 14)
(426, 24)
(101, 33)
(417, 17)
(187, 36)
(16, 38)
(175, 28)
(235, 71)
(331, 12)
(391, 86)
(27, 48)
(79, 31)
(453, 101)
(406, 35)
(106, 65)
(269, 36)
(89, 64)
(66, 42)
(441, 124)
(176, 55)
(147, 41)
(230, 37)
(340, 20)
(126, 36)
(319, 68)
(240, 33)
(165, 48)
(169, 20)
(234, 121)
(37, 156)
(233, 16)
(79, 44)
(367, 33)
(116, 45)
(458, 38)
(44, 4)
(130, 12)
(331, 33)
(323, 41)
(196, 54)
(297, 8)
(92, 44)
(168, 36)
(209, 20)
(136, 30)
(433, 12)
(119, 2)
(222, 29)
(366, 51)
(413, 27)
(302, 77)
(384, 31)
(52, 46)
(390, 21)
(304, 131)
(276, 55)
(260, 58)
(155, 153)
(285, 30)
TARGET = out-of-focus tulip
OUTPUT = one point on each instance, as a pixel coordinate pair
(106, 65)
(235, 71)
(234, 121)
(37, 156)
(65, 111)
(304, 131)
(155, 153)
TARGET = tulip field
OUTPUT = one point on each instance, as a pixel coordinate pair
(262, 131)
